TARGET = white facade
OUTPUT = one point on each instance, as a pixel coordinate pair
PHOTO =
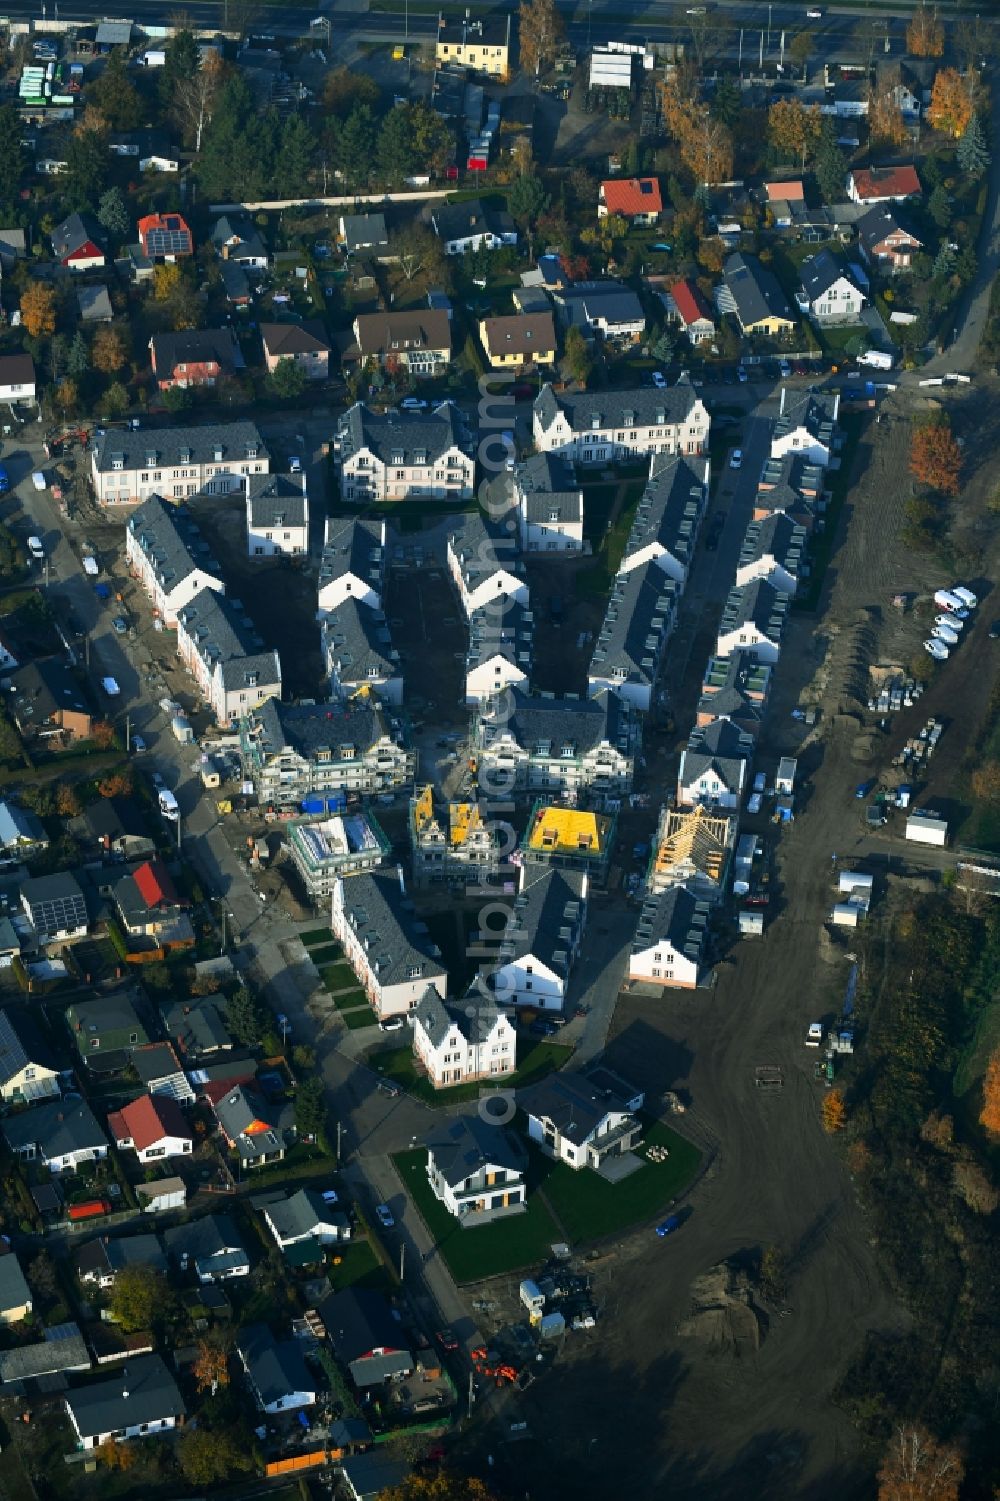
(131, 1430)
(402, 991)
(613, 437)
(490, 1190)
(708, 786)
(527, 981)
(166, 1146)
(449, 476)
(31, 1083)
(457, 1059)
(17, 391)
(552, 535)
(925, 827)
(662, 964)
(128, 486)
(68, 1161)
(767, 567)
(839, 303)
(272, 535)
(484, 587)
(748, 637)
(491, 675)
(588, 1153)
(166, 596)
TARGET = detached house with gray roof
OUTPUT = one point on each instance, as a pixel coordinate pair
(210, 1246)
(352, 565)
(128, 467)
(806, 425)
(63, 1135)
(139, 1399)
(601, 427)
(358, 653)
(477, 1171)
(471, 225)
(638, 622)
(829, 293)
(55, 907)
(295, 751)
(303, 1216)
(542, 939)
(237, 241)
(604, 309)
(539, 743)
(668, 516)
(670, 937)
(457, 1042)
(752, 293)
(583, 1120)
(365, 1336)
(549, 504)
(275, 1370)
(753, 620)
(277, 516)
(218, 645)
(394, 455)
(165, 548)
(386, 944)
(715, 766)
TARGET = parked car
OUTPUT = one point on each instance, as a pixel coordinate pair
(937, 649)
(659, 380)
(753, 803)
(413, 404)
(969, 600)
(814, 1036)
(784, 369)
(742, 376)
(669, 1225)
(120, 625)
(384, 1214)
(736, 459)
(329, 1196)
(951, 622)
(36, 549)
(447, 1340)
(138, 745)
(863, 789)
(392, 1024)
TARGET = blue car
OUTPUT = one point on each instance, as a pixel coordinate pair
(863, 788)
(669, 1225)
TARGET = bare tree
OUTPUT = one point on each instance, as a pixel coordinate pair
(194, 100)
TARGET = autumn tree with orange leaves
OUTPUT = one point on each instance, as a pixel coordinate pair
(441, 1485)
(834, 1111)
(925, 34)
(989, 1116)
(885, 118)
(917, 1467)
(935, 457)
(952, 103)
(794, 128)
(706, 145)
(211, 1366)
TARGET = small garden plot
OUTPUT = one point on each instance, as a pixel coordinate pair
(350, 1000)
(329, 953)
(359, 1016)
(339, 977)
(316, 937)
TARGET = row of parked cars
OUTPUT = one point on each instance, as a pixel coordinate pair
(956, 605)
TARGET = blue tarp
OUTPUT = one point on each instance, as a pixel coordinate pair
(313, 805)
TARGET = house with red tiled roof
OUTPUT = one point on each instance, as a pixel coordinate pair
(637, 199)
(692, 311)
(785, 192)
(883, 184)
(149, 906)
(153, 1126)
(165, 237)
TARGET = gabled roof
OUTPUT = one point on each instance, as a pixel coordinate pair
(816, 411)
(171, 540)
(360, 1322)
(20, 826)
(201, 1239)
(169, 447)
(410, 434)
(632, 195)
(475, 1017)
(639, 611)
(547, 918)
(364, 232)
(17, 370)
(721, 747)
(881, 221)
(240, 1110)
(141, 1391)
(21, 1045)
(468, 1145)
(286, 340)
(690, 303)
(398, 943)
(670, 507)
(196, 346)
(355, 546)
(872, 183)
(155, 1061)
(544, 483)
(198, 1024)
(55, 1128)
(276, 1368)
(755, 291)
(536, 720)
(155, 884)
(779, 537)
(148, 1120)
(300, 1214)
(574, 1104)
(791, 191)
(698, 838)
(14, 1289)
(519, 333)
(675, 917)
(73, 234)
(467, 220)
(226, 641)
(357, 645)
(822, 271)
(586, 411)
(276, 500)
(239, 227)
(757, 602)
(311, 729)
(382, 335)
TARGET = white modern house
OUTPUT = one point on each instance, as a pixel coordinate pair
(211, 1245)
(277, 516)
(549, 505)
(753, 621)
(306, 1215)
(829, 293)
(484, 562)
(476, 1170)
(806, 425)
(352, 565)
(715, 766)
(153, 1127)
(27, 1072)
(774, 549)
(670, 939)
(601, 427)
(583, 1119)
(62, 1135)
(542, 939)
(165, 549)
(460, 1041)
(539, 743)
(17, 377)
(385, 943)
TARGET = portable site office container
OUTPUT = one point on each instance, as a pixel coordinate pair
(855, 880)
(785, 779)
(845, 915)
(926, 827)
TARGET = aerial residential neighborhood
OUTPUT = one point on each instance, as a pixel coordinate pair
(500, 741)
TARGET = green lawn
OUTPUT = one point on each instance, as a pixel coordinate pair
(538, 1058)
(590, 1208)
(359, 1267)
(338, 977)
(349, 1000)
(488, 1250)
(358, 1016)
(329, 953)
(608, 542)
(316, 936)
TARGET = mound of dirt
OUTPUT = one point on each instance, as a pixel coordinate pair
(722, 1314)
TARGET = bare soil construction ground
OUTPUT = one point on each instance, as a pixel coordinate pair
(735, 1422)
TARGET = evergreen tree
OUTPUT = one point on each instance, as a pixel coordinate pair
(973, 152)
(78, 357)
(939, 206)
(86, 169)
(237, 157)
(395, 151)
(829, 163)
(113, 215)
(12, 159)
(247, 1017)
(181, 63)
(294, 158)
(355, 145)
(116, 96)
(727, 103)
(944, 261)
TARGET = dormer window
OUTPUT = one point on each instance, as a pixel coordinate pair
(595, 421)
(252, 451)
(398, 457)
(185, 456)
(151, 458)
(420, 457)
(217, 453)
(117, 461)
(628, 419)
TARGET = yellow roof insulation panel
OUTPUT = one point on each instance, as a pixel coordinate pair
(423, 809)
(569, 831)
(698, 837)
(465, 820)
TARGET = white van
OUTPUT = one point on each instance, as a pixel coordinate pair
(36, 549)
